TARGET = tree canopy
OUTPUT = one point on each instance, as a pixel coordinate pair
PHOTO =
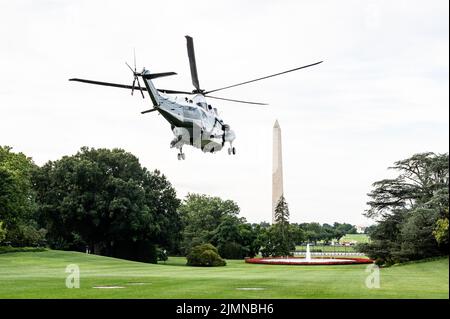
(105, 200)
(212, 220)
(412, 210)
(17, 200)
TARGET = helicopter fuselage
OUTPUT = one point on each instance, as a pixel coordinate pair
(193, 121)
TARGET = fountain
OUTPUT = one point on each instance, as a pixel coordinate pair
(308, 260)
(308, 254)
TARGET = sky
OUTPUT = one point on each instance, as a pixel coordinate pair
(381, 94)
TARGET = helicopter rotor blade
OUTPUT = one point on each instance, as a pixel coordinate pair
(132, 89)
(148, 111)
(192, 63)
(173, 91)
(265, 77)
(130, 68)
(238, 101)
(123, 86)
(134, 56)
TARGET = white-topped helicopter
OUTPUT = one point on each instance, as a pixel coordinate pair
(193, 121)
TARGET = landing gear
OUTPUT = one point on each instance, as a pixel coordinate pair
(181, 155)
(231, 150)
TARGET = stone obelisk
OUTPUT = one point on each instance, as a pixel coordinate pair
(277, 168)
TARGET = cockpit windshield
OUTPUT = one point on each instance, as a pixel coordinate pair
(203, 105)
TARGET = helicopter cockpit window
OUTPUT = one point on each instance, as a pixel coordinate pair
(202, 105)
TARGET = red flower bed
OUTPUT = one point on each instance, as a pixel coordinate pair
(301, 261)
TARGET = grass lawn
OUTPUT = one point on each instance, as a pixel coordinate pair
(359, 238)
(42, 275)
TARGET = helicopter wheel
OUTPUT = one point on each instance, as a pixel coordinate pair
(233, 150)
(181, 155)
(229, 151)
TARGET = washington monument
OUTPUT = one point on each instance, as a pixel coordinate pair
(277, 169)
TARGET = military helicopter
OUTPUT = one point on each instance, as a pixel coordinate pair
(193, 120)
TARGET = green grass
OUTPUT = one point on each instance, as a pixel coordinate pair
(359, 238)
(42, 275)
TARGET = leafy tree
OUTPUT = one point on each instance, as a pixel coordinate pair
(369, 230)
(276, 243)
(228, 238)
(106, 200)
(298, 234)
(412, 210)
(343, 229)
(249, 238)
(17, 198)
(202, 215)
(421, 176)
(328, 233)
(212, 220)
(313, 231)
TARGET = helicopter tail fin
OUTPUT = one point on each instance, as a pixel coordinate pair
(152, 91)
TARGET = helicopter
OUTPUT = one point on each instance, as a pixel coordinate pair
(193, 120)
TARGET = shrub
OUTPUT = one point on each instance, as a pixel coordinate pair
(9, 249)
(204, 255)
(26, 234)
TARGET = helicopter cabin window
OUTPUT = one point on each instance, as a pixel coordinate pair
(191, 112)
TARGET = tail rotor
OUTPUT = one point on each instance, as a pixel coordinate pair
(135, 76)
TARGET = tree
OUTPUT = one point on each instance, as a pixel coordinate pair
(201, 216)
(282, 211)
(106, 200)
(328, 233)
(298, 234)
(17, 198)
(227, 236)
(276, 243)
(282, 216)
(421, 176)
(343, 229)
(249, 238)
(278, 240)
(312, 231)
(412, 210)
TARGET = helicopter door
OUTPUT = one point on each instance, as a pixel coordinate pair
(207, 121)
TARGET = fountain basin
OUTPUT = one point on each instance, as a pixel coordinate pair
(305, 261)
